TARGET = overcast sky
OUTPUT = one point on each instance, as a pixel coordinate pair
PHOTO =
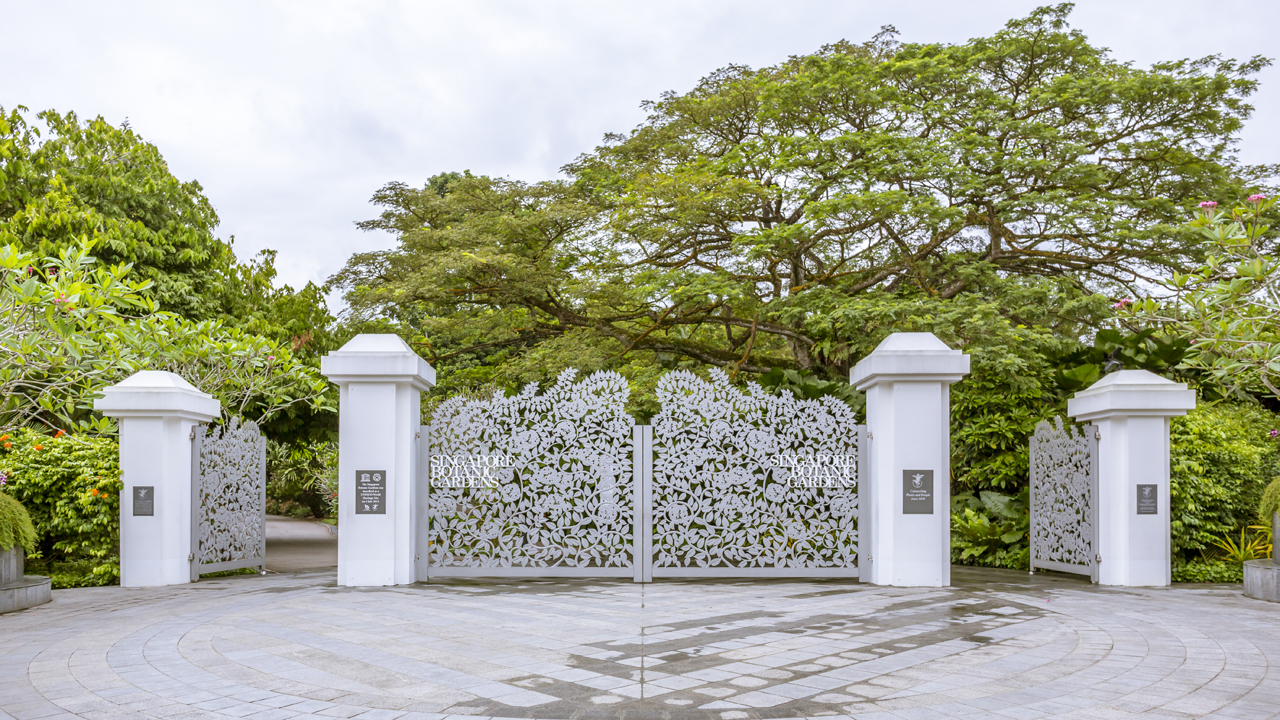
(291, 114)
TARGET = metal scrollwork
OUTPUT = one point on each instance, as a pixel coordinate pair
(561, 492)
(230, 496)
(727, 491)
(1062, 495)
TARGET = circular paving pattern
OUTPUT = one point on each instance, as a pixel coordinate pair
(998, 644)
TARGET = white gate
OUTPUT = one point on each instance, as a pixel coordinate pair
(1064, 491)
(532, 485)
(564, 484)
(228, 498)
(751, 484)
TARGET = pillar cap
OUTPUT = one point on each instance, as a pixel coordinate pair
(378, 358)
(910, 357)
(1131, 392)
(156, 393)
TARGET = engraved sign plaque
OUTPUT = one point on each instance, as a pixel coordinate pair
(917, 492)
(371, 492)
(1148, 500)
(144, 500)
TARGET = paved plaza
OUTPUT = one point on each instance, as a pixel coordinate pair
(998, 644)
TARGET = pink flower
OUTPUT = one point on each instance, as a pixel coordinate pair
(1257, 198)
(271, 358)
(1275, 433)
(1122, 303)
(1208, 204)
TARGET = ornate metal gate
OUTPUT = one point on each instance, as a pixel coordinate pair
(750, 484)
(1064, 491)
(228, 498)
(723, 484)
(533, 485)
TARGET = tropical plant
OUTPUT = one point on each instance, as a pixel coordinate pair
(306, 473)
(991, 529)
(69, 327)
(16, 529)
(1254, 543)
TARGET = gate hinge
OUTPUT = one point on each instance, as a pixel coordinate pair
(416, 557)
(192, 436)
(870, 436)
(1097, 557)
(1097, 433)
(191, 557)
(417, 435)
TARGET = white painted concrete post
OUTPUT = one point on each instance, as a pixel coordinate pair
(380, 380)
(1131, 409)
(904, 525)
(157, 411)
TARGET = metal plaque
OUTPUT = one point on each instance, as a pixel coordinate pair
(1148, 496)
(144, 500)
(917, 492)
(371, 492)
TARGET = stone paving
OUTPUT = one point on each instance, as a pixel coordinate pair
(999, 644)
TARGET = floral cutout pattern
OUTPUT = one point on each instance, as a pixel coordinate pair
(722, 493)
(230, 493)
(1062, 494)
(567, 497)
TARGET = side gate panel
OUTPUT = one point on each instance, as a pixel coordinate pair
(1063, 498)
(422, 505)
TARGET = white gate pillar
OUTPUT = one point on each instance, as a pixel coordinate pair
(1131, 409)
(380, 381)
(904, 525)
(157, 412)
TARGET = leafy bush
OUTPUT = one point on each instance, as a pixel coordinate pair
(991, 529)
(16, 529)
(1270, 503)
(1208, 571)
(1221, 455)
(71, 487)
(304, 474)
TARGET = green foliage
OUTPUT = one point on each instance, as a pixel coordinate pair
(790, 217)
(1208, 571)
(1228, 307)
(1270, 502)
(69, 327)
(305, 473)
(1254, 543)
(1142, 350)
(73, 180)
(71, 487)
(807, 386)
(1221, 455)
(16, 529)
(991, 529)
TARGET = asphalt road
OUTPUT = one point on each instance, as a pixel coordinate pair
(295, 545)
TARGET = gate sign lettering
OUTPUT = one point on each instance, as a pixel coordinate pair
(1148, 500)
(371, 492)
(917, 492)
(144, 500)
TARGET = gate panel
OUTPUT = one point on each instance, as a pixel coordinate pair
(534, 485)
(228, 498)
(1064, 491)
(752, 484)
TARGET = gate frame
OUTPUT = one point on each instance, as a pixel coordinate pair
(1092, 435)
(198, 567)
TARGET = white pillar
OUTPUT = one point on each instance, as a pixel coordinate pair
(904, 525)
(1131, 409)
(157, 411)
(380, 381)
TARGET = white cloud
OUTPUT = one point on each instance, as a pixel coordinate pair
(292, 114)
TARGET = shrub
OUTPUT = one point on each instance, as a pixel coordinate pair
(303, 474)
(991, 529)
(1270, 503)
(1221, 456)
(71, 486)
(16, 529)
(1208, 571)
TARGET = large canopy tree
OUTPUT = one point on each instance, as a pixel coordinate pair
(793, 215)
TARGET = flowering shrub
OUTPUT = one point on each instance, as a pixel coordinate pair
(71, 486)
